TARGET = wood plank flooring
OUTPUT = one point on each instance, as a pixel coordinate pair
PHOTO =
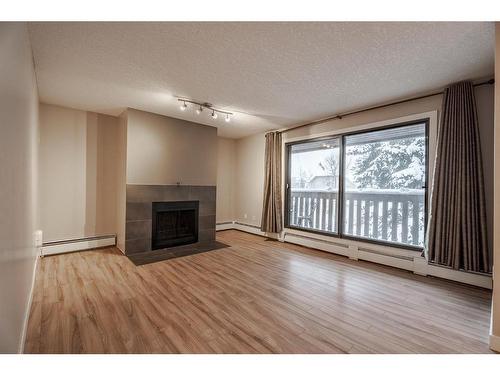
(256, 296)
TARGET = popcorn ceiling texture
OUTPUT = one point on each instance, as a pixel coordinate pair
(272, 75)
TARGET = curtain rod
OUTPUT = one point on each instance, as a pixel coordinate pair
(341, 115)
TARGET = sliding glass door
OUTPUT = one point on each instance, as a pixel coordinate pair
(384, 185)
(375, 181)
(314, 185)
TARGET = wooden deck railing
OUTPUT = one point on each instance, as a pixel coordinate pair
(389, 215)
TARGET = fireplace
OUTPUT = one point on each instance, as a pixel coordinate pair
(174, 224)
(143, 203)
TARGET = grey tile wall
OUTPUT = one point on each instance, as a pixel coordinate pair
(139, 212)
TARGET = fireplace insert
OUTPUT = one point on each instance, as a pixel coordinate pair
(174, 224)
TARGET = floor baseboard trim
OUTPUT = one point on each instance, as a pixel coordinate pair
(88, 243)
(28, 307)
(470, 278)
(254, 229)
(224, 226)
(495, 343)
(249, 228)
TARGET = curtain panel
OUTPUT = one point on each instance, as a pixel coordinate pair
(271, 210)
(457, 224)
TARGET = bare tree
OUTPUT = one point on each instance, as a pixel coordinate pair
(330, 165)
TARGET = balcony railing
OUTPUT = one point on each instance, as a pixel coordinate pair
(386, 215)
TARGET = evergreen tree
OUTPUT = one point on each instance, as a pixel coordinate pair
(393, 164)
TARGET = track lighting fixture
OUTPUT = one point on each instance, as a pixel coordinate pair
(200, 106)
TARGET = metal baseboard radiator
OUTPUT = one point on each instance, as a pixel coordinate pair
(77, 244)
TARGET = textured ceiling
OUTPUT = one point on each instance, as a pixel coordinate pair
(272, 75)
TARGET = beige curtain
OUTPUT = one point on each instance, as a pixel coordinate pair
(271, 209)
(457, 223)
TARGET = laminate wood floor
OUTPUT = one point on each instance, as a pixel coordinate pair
(256, 296)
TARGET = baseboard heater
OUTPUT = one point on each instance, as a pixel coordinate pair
(77, 244)
(415, 264)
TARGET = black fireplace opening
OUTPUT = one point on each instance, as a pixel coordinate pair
(174, 224)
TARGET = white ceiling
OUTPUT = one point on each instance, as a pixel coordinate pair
(272, 75)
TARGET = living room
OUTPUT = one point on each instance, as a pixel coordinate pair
(249, 187)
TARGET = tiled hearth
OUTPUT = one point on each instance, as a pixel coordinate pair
(139, 212)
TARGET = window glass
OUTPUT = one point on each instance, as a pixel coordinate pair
(314, 185)
(384, 185)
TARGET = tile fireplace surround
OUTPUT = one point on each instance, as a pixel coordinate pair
(138, 221)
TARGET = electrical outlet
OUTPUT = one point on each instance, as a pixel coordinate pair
(245, 216)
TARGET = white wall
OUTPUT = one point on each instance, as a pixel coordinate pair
(121, 181)
(18, 170)
(226, 179)
(77, 178)
(163, 151)
(250, 179)
(62, 161)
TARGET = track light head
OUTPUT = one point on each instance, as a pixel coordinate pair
(199, 107)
